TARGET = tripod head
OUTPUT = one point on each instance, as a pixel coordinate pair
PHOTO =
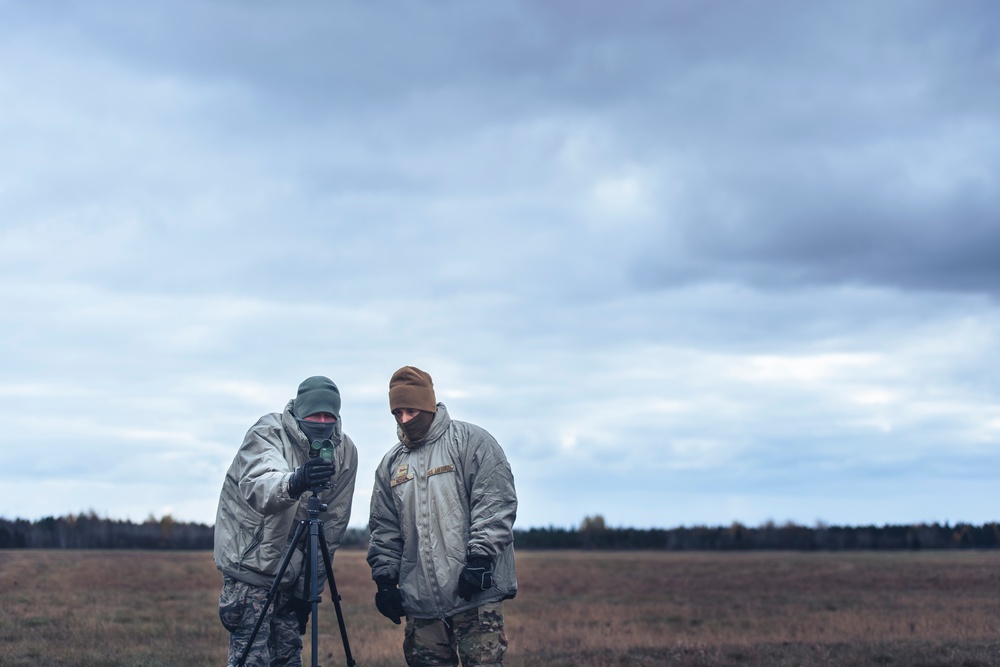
(315, 505)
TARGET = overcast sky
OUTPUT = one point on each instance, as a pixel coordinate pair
(689, 262)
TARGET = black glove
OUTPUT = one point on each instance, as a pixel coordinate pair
(477, 576)
(312, 474)
(388, 600)
(302, 610)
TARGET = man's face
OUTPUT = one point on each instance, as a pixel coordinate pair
(405, 414)
(321, 418)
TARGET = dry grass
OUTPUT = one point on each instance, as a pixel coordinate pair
(129, 608)
(864, 608)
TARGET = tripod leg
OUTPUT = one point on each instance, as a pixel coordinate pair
(314, 586)
(273, 591)
(335, 596)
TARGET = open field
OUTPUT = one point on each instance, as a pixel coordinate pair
(933, 608)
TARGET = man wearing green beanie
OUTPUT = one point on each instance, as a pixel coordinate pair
(442, 531)
(264, 497)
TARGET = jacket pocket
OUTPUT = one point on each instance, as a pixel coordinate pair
(251, 537)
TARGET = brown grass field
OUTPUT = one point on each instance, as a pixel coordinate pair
(915, 609)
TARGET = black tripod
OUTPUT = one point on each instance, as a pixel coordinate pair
(316, 543)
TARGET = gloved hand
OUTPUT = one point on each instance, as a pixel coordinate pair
(388, 599)
(302, 610)
(310, 475)
(476, 577)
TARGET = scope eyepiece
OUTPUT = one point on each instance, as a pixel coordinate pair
(323, 448)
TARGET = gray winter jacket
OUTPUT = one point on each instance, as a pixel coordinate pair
(432, 504)
(257, 517)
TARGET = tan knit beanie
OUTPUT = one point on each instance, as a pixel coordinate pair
(412, 388)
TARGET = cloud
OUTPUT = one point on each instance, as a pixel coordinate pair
(731, 263)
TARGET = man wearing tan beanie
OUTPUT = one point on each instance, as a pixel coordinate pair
(442, 522)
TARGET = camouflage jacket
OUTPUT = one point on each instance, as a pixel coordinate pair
(257, 517)
(430, 505)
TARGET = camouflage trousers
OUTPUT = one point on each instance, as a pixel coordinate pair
(278, 643)
(476, 636)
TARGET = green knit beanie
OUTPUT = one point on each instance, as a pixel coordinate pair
(317, 394)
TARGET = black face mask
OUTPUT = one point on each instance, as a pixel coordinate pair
(416, 429)
(317, 430)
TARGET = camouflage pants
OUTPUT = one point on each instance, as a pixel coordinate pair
(278, 643)
(475, 635)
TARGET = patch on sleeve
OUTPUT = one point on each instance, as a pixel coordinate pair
(403, 474)
(441, 469)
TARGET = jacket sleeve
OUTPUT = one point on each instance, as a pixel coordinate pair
(263, 470)
(338, 513)
(492, 498)
(385, 547)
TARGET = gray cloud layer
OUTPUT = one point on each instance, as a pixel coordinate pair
(690, 263)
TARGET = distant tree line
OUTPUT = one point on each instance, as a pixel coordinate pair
(89, 531)
(594, 534)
